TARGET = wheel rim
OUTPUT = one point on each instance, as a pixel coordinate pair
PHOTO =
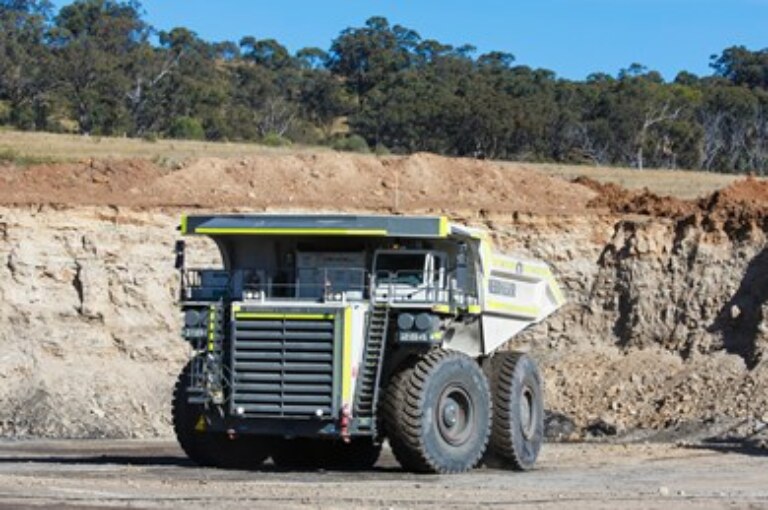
(527, 413)
(455, 415)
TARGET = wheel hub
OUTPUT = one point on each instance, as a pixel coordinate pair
(450, 414)
(455, 415)
(527, 414)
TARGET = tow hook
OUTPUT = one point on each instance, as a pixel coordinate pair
(344, 424)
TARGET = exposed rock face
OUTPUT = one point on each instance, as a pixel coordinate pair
(87, 323)
(675, 286)
(666, 321)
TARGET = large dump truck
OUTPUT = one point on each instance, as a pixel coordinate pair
(320, 336)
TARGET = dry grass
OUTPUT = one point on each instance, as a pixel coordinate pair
(56, 147)
(684, 184)
(31, 148)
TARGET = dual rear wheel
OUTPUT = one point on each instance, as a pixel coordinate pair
(518, 419)
(443, 413)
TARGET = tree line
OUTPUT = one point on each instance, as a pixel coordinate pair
(97, 67)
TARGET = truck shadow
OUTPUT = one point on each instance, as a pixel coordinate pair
(172, 461)
(121, 460)
(751, 447)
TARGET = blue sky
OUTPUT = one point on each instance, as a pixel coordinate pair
(571, 37)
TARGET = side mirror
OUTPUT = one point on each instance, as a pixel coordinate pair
(180, 248)
(462, 255)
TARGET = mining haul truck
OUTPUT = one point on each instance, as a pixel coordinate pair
(320, 336)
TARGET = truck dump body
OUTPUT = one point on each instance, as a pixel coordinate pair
(310, 316)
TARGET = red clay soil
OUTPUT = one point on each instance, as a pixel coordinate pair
(621, 200)
(324, 181)
(743, 200)
(747, 195)
(422, 183)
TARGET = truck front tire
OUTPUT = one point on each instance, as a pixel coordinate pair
(437, 413)
(211, 449)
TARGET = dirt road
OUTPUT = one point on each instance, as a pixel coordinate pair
(108, 474)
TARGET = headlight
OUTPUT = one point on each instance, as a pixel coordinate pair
(252, 294)
(191, 318)
(424, 322)
(405, 321)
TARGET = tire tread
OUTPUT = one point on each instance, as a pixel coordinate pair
(403, 413)
(502, 369)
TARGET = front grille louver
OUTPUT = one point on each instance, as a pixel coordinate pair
(283, 367)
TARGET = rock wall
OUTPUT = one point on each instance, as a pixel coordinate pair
(665, 325)
(87, 323)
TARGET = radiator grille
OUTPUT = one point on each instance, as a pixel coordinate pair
(283, 367)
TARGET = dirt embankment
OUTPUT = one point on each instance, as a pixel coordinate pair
(422, 182)
(736, 209)
(666, 322)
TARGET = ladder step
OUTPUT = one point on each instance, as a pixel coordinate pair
(365, 401)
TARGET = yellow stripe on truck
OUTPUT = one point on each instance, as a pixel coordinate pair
(291, 231)
(346, 359)
(445, 228)
(211, 328)
(287, 316)
(512, 309)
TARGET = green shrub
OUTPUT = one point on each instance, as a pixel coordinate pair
(8, 155)
(13, 157)
(275, 140)
(168, 162)
(5, 112)
(304, 133)
(351, 143)
(187, 128)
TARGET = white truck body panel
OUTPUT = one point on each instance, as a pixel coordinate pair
(514, 292)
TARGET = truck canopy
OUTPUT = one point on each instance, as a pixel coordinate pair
(424, 227)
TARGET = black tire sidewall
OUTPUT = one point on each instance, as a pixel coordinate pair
(526, 375)
(212, 448)
(465, 373)
(185, 416)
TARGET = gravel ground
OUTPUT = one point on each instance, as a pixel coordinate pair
(140, 474)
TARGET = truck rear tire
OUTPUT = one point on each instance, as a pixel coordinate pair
(437, 413)
(211, 449)
(518, 406)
